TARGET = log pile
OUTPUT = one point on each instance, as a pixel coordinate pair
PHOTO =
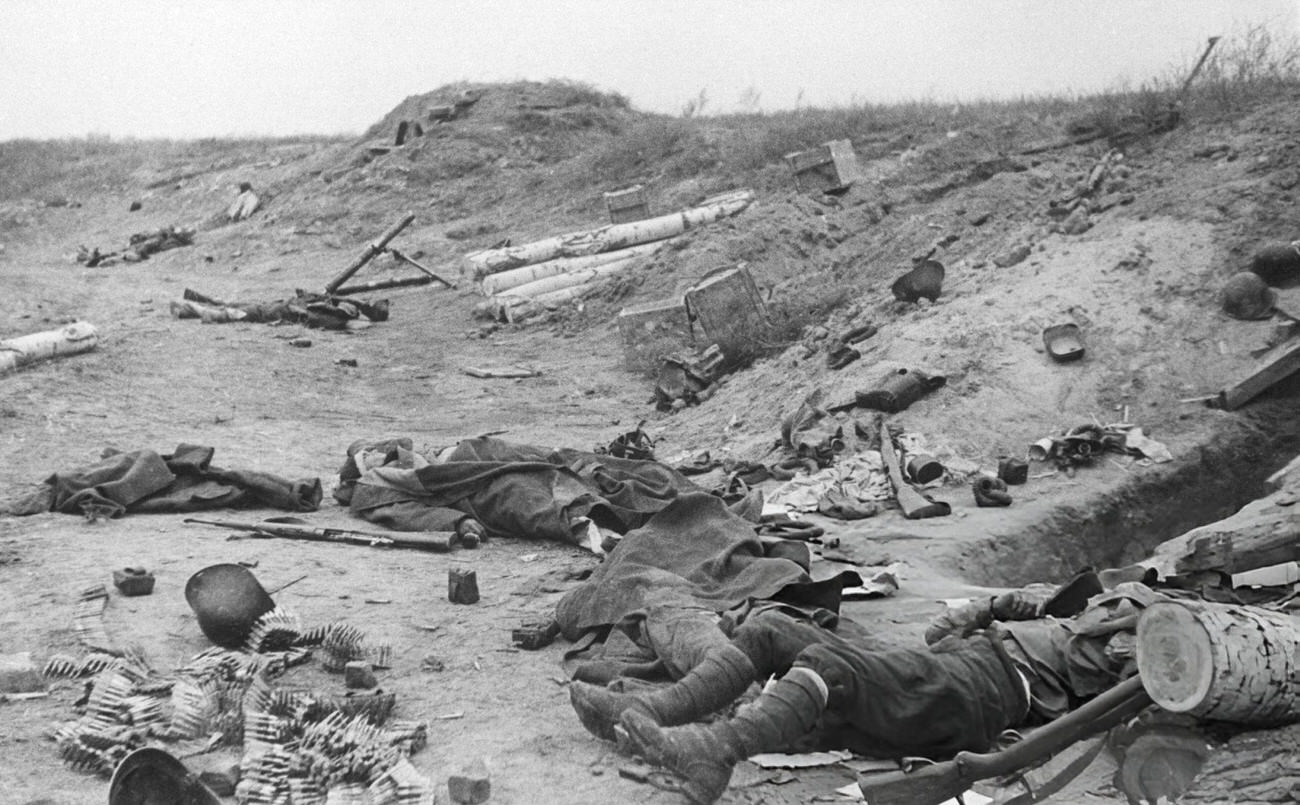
(521, 281)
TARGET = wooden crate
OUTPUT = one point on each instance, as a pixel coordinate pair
(830, 166)
(727, 310)
(442, 114)
(651, 330)
(626, 205)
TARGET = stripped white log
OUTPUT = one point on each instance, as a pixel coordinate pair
(548, 284)
(607, 238)
(77, 337)
(513, 278)
(1225, 662)
(510, 308)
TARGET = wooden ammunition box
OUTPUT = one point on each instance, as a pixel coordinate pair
(831, 166)
(442, 114)
(651, 330)
(627, 205)
(727, 310)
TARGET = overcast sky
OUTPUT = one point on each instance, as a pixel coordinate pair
(243, 67)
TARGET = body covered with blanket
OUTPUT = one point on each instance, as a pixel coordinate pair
(513, 490)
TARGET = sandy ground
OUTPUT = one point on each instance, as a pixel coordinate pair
(1154, 336)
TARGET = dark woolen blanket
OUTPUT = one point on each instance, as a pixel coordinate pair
(145, 482)
(523, 491)
(694, 552)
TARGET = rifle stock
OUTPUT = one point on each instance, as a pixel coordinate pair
(426, 541)
(936, 783)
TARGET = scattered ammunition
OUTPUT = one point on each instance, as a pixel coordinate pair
(61, 666)
(313, 636)
(88, 618)
(276, 630)
(380, 656)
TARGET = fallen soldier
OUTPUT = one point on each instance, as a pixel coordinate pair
(142, 244)
(145, 482)
(990, 666)
(321, 311)
(513, 490)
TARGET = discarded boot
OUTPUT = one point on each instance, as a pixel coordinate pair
(1071, 598)
(990, 492)
(1013, 471)
(841, 356)
(704, 755)
(699, 464)
(860, 333)
(716, 682)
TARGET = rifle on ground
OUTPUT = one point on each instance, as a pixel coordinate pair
(936, 783)
(438, 541)
(915, 505)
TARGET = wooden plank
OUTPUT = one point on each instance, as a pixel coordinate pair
(1261, 380)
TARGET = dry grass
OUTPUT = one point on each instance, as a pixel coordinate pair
(1246, 68)
(52, 168)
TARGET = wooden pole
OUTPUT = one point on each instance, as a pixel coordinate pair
(375, 285)
(1221, 661)
(1182, 93)
(395, 253)
(369, 254)
(77, 337)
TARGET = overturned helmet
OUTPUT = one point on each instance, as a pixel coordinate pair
(153, 777)
(1247, 296)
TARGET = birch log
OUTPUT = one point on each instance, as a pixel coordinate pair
(513, 278)
(508, 308)
(1221, 661)
(548, 284)
(606, 238)
(77, 337)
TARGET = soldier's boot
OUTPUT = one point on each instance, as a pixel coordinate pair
(703, 755)
(717, 681)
